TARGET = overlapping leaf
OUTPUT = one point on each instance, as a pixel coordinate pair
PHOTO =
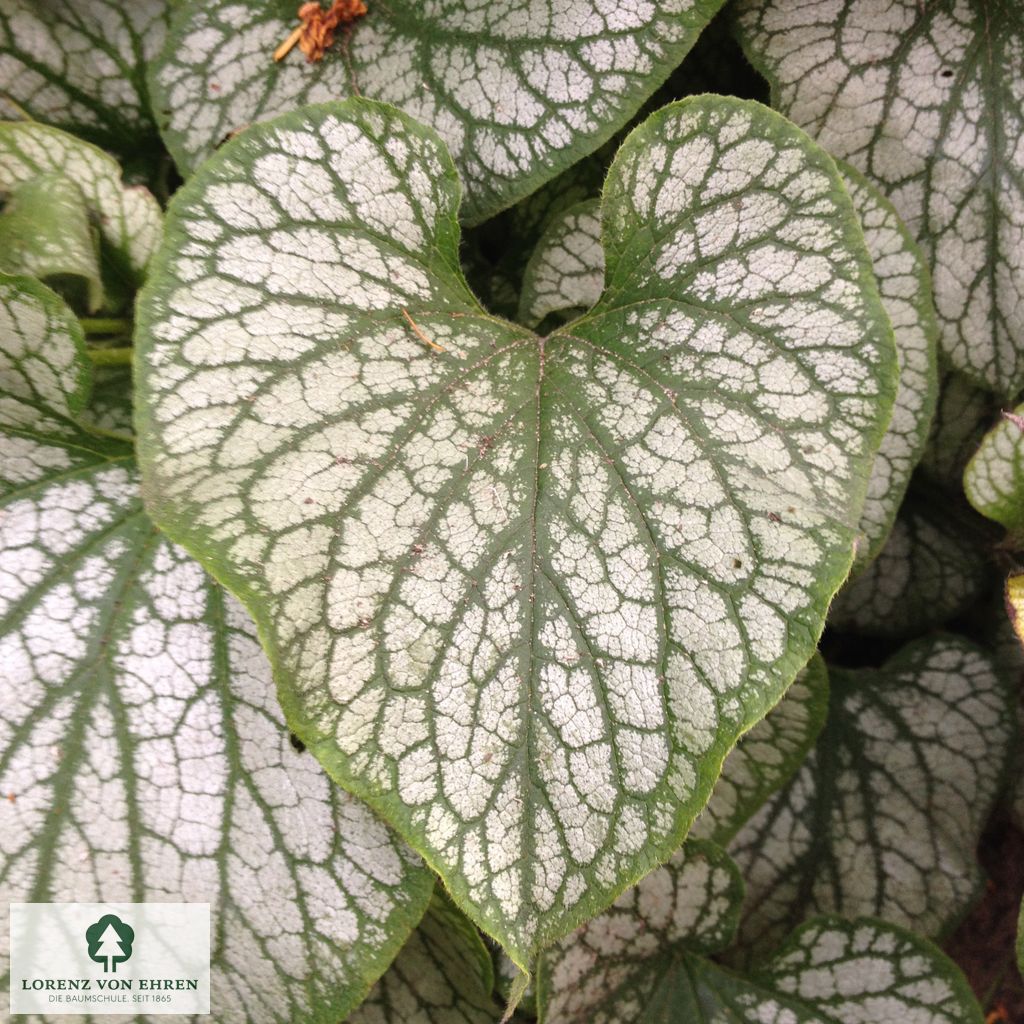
(127, 219)
(521, 594)
(443, 975)
(933, 567)
(643, 961)
(767, 756)
(81, 66)
(963, 415)
(1015, 603)
(497, 252)
(518, 90)
(45, 233)
(883, 817)
(144, 756)
(906, 294)
(927, 99)
(566, 271)
(994, 478)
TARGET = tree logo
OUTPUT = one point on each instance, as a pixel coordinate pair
(110, 942)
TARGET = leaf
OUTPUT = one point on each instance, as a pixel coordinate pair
(963, 415)
(686, 908)
(145, 755)
(517, 93)
(645, 960)
(1015, 603)
(716, 64)
(443, 975)
(128, 219)
(766, 757)
(565, 274)
(45, 233)
(883, 817)
(81, 66)
(905, 288)
(928, 101)
(994, 478)
(110, 407)
(933, 567)
(496, 253)
(44, 373)
(521, 595)
(513, 987)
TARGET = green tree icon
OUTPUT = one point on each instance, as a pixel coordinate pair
(110, 942)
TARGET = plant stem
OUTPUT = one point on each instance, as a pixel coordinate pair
(111, 356)
(105, 325)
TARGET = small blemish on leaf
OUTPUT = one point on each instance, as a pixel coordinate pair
(417, 330)
(297, 745)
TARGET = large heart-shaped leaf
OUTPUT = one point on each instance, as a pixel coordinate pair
(522, 594)
(644, 961)
(81, 65)
(884, 815)
(127, 218)
(145, 757)
(518, 92)
(767, 757)
(927, 99)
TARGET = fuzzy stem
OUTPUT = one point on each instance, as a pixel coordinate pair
(111, 356)
(105, 325)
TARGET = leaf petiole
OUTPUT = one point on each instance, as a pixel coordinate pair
(96, 325)
(111, 356)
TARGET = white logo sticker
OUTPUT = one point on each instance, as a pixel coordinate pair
(96, 958)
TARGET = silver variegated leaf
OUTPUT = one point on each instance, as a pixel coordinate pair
(495, 253)
(126, 218)
(145, 757)
(443, 975)
(766, 757)
(81, 66)
(566, 275)
(963, 415)
(110, 406)
(44, 374)
(609, 970)
(45, 232)
(566, 271)
(521, 594)
(905, 287)
(884, 815)
(644, 961)
(518, 90)
(927, 99)
(934, 566)
(994, 478)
